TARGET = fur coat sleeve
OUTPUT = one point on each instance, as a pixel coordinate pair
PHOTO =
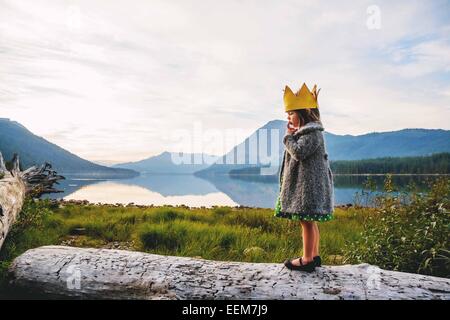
(303, 148)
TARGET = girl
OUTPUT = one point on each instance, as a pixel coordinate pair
(306, 180)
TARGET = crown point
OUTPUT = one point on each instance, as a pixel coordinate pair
(288, 90)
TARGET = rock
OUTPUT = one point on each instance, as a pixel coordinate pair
(68, 272)
(78, 231)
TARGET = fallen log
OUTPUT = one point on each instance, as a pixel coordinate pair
(15, 185)
(87, 273)
(12, 195)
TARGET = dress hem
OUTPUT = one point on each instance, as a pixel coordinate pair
(301, 216)
(304, 217)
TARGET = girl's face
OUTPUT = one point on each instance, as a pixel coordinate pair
(293, 119)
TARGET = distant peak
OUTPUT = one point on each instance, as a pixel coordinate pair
(273, 124)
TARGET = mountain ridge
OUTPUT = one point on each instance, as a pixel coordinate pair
(162, 163)
(399, 143)
(35, 150)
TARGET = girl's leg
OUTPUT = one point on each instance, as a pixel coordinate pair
(308, 234)
(317, 240)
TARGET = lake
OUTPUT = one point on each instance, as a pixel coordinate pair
(222, 190)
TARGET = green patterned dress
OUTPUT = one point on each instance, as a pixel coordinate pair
(299, 217)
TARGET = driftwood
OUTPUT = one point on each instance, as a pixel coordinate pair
(80, 273)
(16, 184)
(12, 195)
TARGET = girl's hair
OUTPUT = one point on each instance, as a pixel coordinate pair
(308, 115)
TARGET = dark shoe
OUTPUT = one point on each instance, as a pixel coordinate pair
(318, 261)
(309, 267)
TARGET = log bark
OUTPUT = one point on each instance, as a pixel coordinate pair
(12, 195)
(15, 185)
(86, 273)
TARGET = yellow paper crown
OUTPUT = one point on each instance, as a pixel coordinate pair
(303, 99)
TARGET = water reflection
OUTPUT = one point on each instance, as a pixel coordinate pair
(113, 192)
(213, 190)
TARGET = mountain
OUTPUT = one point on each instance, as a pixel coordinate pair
(34, 150)
(167, 163)
(246, 154)
(401, 143)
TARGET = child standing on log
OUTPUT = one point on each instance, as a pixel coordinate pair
(306, 180)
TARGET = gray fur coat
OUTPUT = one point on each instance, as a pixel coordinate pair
(306, 180)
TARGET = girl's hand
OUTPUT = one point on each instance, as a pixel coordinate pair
(290, 129)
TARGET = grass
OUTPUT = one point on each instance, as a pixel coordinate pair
(395, 235)
(218, 233)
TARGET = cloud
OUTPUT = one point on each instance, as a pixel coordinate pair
(127, 74)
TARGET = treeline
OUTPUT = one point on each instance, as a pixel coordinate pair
(438, 163)
(435, 163)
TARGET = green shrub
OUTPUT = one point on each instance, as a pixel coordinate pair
(54, 222)
(162, 236)
(166, 214)
(253, 219)
(227, 239)
(32, 215)
(221, 211)
(128, 219)
(25, 233)
(408, 236)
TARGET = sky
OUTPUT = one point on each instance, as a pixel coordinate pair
(116, 81)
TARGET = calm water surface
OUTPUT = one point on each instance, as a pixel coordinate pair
(218, 190)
